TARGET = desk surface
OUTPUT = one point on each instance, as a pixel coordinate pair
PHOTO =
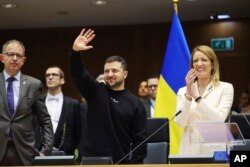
(150, 165)
(167, 165)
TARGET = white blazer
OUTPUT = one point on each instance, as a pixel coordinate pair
(215, 105)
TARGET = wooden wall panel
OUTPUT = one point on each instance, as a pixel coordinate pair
(142, 45)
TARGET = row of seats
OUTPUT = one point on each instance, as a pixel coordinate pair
(158, 142)
(157, 147)
(158, 138)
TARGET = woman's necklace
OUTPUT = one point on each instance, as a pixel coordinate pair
(201, 90)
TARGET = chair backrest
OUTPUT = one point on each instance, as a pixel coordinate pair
(157, 153)
(96, 161)
(158, 143)
(154, 126)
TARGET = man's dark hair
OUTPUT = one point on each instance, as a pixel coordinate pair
(153, 76)
(61, 73)
(118, 59)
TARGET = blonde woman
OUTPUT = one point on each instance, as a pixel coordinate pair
(204, 98)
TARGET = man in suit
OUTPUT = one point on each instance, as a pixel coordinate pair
(65, 112)
(21, 99)
(149, 104)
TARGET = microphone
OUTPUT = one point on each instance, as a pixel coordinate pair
(149, 137)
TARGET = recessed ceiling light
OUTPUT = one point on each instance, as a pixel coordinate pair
(220, 16)
(223, 16)
(8, 5)
(100, 2)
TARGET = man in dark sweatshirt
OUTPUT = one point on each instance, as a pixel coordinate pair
(116, 119)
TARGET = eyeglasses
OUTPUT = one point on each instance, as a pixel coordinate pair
(51, 74)
(12, 55)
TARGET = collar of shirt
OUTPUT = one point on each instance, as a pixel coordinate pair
(57, 97)
(17, 76)
(152, 103)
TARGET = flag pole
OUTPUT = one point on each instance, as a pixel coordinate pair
(175, 2)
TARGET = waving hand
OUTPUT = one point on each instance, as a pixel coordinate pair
(83, 39)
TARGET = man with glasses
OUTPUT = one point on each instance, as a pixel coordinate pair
(64, 111)
(21, 99)
(149, 104)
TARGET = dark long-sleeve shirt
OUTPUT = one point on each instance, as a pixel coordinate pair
(115, 119)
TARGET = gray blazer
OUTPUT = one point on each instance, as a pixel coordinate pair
(31, 101)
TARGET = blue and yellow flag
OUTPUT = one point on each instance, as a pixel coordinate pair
(175, 68)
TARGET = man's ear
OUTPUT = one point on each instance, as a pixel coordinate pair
(62, 81)
(24, 59)
(125, 74)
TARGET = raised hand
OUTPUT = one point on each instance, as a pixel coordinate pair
(83, 39)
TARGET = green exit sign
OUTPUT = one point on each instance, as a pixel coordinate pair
(222, 44)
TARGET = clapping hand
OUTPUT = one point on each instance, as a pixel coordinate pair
(83, 39)
(192, 89)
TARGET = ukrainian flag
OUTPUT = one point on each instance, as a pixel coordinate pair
(175, 68)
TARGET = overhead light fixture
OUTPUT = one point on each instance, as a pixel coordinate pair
(100, 2)
(8, 6)
(220, 17)
(225, 16)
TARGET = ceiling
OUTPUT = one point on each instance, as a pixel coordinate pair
(71, 13)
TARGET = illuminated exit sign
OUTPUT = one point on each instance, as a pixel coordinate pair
(222, 44)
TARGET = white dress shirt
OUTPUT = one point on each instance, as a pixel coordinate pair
(54, 106)
(152, 108)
